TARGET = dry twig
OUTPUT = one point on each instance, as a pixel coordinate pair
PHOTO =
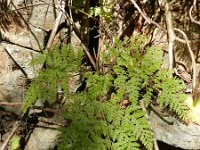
(15, 62)
(174, 37)
(78, 35)
(144, 16)
(171, 35)
(192, 57)
(5, 143)
(170, 30)
(53, 32)
(10, 103)
(190, 13)
(27, 25)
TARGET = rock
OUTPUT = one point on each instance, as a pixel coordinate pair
(12, 80)
(45, 135)
(42, 139)
(22, 45)
(178, 134)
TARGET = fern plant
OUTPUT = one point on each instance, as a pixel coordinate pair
(133, 72)
(107, 113)
(60, 63)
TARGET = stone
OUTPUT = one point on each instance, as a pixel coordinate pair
(23, 43)
(42, 138)
(180, 135)
(45, 135)
(12, 80)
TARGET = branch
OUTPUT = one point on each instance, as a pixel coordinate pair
(192, 58)
(52, 4)
(171, 35)
(53, 32)
(10, 103)
(55, 111)
(170, 30)
(27, 25)
(149, 21)
(190, 13)
(153, 22)
(8, 41)
(71, 16)
(18, 66)
(79, 36)
(71, 22)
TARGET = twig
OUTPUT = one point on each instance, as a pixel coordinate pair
(190, 13)
(54, 8)
(145, 17)
(55, 111)
(8, 41)
(53, 4)
(18, 66)
(27, 25)
(170, 32)
(5, 143)
(70, 25)
(53, 32)
(62, 10)
(171, 36)
(10, 103)
(194, 3)
(153, 22)
(160, 115)
(192, 58)
(174, 37)
(83, 45)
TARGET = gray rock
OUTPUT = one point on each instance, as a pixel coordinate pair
(178, 134)
(12, 80)
(42, 139)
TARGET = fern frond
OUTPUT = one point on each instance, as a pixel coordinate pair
(171, 93)
(59, 65)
